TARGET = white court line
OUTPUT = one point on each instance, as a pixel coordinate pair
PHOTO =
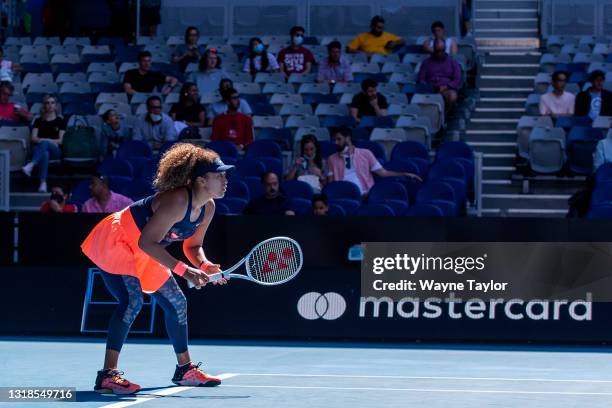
(435, 390)
(162, 393)
(423, 377)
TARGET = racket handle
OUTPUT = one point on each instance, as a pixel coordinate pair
(211, 278)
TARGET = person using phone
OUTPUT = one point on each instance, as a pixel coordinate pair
(57, 202)
(129, 246)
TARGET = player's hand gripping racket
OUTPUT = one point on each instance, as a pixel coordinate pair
(272, 262)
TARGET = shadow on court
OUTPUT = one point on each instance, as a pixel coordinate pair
(92, 396)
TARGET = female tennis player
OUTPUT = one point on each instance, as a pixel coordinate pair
(129, 246)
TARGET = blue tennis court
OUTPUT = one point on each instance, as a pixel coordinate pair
(273, 374)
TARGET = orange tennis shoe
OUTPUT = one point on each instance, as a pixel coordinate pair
(110, 381)
(191, 375)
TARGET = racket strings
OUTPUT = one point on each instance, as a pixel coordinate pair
(275, 261)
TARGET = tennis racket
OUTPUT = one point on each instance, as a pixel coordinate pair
(271, 262)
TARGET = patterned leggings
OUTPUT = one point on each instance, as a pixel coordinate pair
(127, 291)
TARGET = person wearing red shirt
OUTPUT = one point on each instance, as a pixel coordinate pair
(296, 59)
(9, 110)
(57, 202)
(232, 125)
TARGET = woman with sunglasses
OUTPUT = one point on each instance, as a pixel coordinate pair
(47, 136)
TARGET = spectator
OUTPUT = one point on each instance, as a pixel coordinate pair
(189, 52)
(272, 202)
(356, 165)
(558, 102)
(233, 125)
(335, 68)
(210, 73)
(103, 200)
(596, 101)
(9, 110)
(220, 107)
(189, 109)
(259, 59)
(603, 152)
(310, 166)
(7, 68)
(377, 41)
(58, 202)
(443, 73)
(47, 135)
(150, 17)
(320, 205)
(296, 59)
(143, 79)
(368, 102)
(155, 127)
(112, 133)
(439, 33)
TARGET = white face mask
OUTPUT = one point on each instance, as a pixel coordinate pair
(155, 117)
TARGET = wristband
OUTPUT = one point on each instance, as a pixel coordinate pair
(180, 268)
(204, 265)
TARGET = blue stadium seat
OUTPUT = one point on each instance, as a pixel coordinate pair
(224, 148)
(297, 189)
(377, 122)
(250, 167)
(97, 87)
(254, 185)
(327, 148)
(282, 137)
(116, 167)
(409, 150)
(315, 99)
(581, 143)
(235, 205)
(146, 171)
(139, 189)
(79, 109)
(342, 189)
(120, 184)
(349, 206)
(114, 42)
(375, 210)
(425, 210)
(263, 109)
(272, 164)
(300, 206)
(78, 98)
(237, 188)
(578, 77)
(374, 147)
(360, 134)
(255, 99)
(134, 148)
(35, 68)
(362, 76)
(335, 210)
(221, 208)
(451, 172)
(81, 192)
(604, 173)
(338, 121)
(568, 122)
(410, 166)
(460, 152)
(602, 211)
(392, 193)
(263, 148)
(602, 195)
(440, 194)
(164, 148)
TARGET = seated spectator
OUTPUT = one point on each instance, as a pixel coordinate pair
(310, 166)
(296, 59)
(47, 136)
(272, 202)
(220, 107)
(357, 165)
(58, 202)
(190, 51)
(335, 68)
(9, 110)
(259, 59)
(233, 125)
(603, 152)
(112, 133)
(443, 73)
(558, 102)
(595, 101)
(189, 109)
(209, 72)
(368, 102)
(439, 33)
(155, 127)
(7, 68)
(143, 79)
(377, 41)
(103, 200)
(320, 205)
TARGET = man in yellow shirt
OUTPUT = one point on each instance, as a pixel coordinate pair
(377, 41)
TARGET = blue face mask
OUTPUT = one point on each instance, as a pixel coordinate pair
(298, 40)
(258, 48)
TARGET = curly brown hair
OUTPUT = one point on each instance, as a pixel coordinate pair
(176, 165)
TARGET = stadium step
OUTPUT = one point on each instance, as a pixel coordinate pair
(27, 201)
(526, 201)
(556, 185)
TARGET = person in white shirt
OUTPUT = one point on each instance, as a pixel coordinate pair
(558, 102)
(439, 33)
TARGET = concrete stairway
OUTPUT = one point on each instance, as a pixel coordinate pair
(507, 31)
